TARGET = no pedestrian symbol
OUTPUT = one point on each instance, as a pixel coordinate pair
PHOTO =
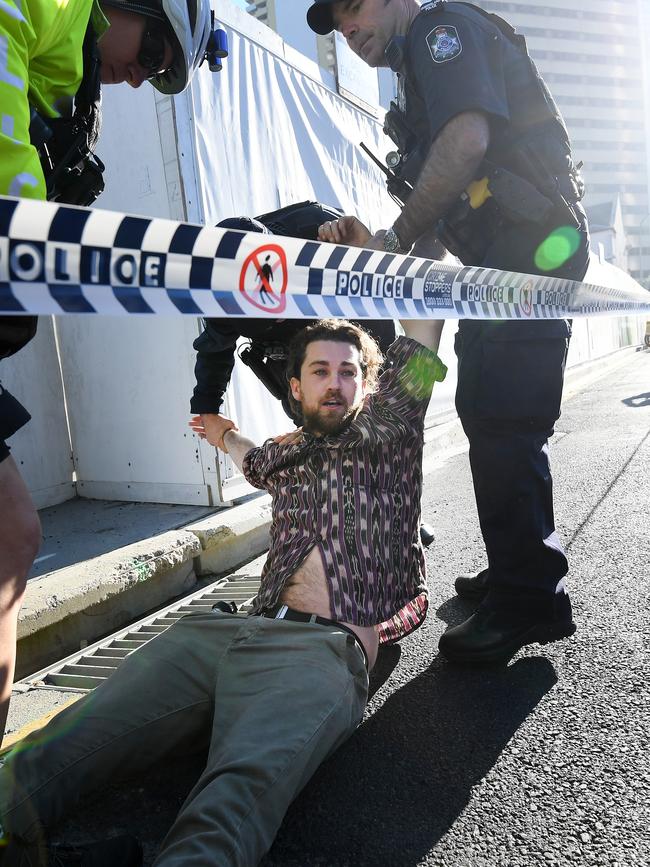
(263, 278)
(526, 302)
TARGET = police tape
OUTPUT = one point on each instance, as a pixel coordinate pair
(59, 259)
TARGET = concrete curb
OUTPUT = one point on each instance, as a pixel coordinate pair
(232, 537)
(78, 604)
(66, 609)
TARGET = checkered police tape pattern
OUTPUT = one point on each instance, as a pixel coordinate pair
(58, 259)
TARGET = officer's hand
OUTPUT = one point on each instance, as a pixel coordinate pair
(212, 427)
(347, 230)
(376, 242)
(428, 246)
(289, 439)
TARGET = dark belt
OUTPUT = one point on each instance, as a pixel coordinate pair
(283, 612)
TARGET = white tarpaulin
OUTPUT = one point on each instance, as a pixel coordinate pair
(266, 132)
(273, 133)
(270, 135)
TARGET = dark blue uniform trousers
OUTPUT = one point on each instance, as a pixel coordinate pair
(510, 379)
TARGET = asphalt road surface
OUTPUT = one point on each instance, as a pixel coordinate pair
(543, 762)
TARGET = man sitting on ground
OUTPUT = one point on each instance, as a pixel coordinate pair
(278, 691)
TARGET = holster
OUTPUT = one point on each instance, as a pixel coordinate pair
(83, 184)
(517, 199)
(468, 230)
(546, 162)
(397, 129)
(404, 174)
(73, 173)
(271, 372)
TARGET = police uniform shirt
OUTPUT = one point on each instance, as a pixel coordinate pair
(456, 60)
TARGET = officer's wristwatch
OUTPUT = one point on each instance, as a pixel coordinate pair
(392, 243)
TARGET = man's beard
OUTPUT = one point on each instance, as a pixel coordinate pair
(320, 423)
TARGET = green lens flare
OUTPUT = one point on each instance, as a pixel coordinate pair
(557, 249)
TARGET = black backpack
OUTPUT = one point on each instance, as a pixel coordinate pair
(300, 220)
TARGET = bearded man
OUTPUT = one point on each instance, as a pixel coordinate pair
(275, 692)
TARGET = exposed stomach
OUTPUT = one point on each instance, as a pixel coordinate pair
(307, 591)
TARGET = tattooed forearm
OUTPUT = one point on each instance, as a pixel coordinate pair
(450, 166)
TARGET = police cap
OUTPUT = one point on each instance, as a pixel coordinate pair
(319, 16)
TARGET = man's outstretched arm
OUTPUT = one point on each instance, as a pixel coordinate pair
(425, 331)
(350, 230)
(237, 446)
(455, 155)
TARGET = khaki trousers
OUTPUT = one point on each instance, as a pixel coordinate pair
(274, 697)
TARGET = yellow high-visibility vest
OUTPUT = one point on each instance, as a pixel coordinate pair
(41, 65)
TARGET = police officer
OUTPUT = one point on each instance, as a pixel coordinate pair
(484, 147)
(54, 56)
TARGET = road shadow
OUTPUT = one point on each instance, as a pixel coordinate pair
(398, 785)
(455, 610)
(387, 660)
(638, 400)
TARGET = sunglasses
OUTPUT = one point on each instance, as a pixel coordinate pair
(153, 49)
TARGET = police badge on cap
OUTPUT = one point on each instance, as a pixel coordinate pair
(444, 43)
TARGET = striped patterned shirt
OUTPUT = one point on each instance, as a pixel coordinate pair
(356, 497)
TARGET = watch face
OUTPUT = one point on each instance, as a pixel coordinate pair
(391, 242)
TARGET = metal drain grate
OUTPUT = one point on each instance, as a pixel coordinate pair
(84, 670)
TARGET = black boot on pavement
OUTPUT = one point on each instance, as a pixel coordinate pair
(427, 536)
(502, 625)
(473, 585)
(123, 851)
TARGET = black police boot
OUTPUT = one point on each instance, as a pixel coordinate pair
(502, 625)
(427, 536)
(123, 851)
(473, 585)
(225, 606)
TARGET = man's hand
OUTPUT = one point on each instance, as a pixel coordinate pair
(347, 230)
(428, 246)
(212, 427)
(376, 242)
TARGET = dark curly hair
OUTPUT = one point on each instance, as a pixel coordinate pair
(339, 330)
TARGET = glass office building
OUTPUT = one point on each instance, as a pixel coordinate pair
(592, 55)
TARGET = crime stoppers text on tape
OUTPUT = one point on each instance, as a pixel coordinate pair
(59, 259)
